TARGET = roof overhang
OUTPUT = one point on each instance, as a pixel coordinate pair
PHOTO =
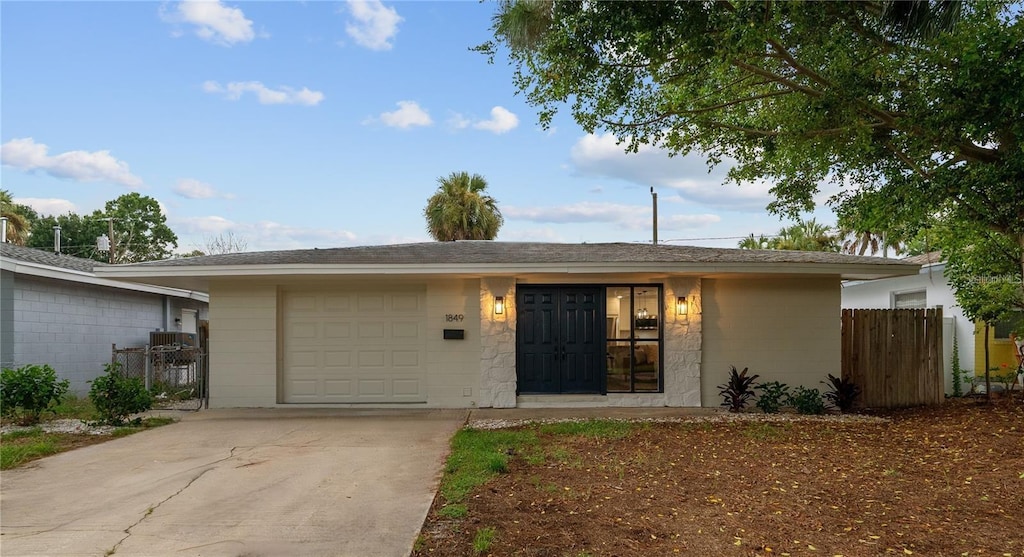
(58, 273)
(199, 277)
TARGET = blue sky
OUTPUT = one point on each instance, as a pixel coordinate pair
(320, 124)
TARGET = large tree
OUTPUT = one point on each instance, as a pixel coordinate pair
(460, 210)
(800, 94)
(139, 225)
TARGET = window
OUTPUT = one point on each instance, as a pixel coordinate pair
(634, 338)
(1004, 327)
(909, 300)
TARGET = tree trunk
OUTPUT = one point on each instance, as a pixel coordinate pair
(988, 374)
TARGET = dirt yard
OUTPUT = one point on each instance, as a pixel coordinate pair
(939, 481)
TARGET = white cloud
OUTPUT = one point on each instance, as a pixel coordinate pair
(191, 188)
(409, 114)
(282, 95)
(372, 25)
(600, 156)
(213, 21)
(628, 217)
(47, 206)
(260, 236)
(502, 121)
(81, 166)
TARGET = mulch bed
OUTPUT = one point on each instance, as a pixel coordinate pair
(945, 480)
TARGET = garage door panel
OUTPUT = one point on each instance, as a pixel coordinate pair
(371, 303)
(405, 330)
(405, 358)
(360, 346)
(405, 303)
(338, 359)
(338, 330)
(334, 303)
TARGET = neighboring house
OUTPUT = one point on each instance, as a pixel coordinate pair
(930, 289)
(54, 310)
(498, 324)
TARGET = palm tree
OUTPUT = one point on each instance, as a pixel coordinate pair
(18, 222)
(459, 209)
(752, 242)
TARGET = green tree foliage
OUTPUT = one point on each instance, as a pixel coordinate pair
(19, 218)
(460, 210)
(909, 115)
(140, 231)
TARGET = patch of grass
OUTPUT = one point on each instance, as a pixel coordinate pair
(75, 407)
(483, 539)
(479, 455)
(762, 431)
(454, 510)
(25, 446)
(607, 429)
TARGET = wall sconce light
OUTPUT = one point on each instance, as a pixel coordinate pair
(499, 305)
(681, 305)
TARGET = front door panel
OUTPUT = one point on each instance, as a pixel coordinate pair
(560, 340)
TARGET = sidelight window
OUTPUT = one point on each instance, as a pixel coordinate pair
(633, 330)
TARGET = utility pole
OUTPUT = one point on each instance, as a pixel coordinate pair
(110, 244)
(654, 201)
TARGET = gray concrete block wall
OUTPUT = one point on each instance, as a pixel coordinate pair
(71, 326)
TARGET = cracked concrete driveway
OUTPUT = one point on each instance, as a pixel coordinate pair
(236, 482)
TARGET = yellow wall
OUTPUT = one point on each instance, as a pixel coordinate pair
(786, 330)
(1000, 352)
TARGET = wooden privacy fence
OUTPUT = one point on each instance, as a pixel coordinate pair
(894, 356)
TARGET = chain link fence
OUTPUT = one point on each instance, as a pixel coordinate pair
(176, 374)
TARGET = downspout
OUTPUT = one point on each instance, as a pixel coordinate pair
(167, 313)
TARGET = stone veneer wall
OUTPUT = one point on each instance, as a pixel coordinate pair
(682, 351)
(497, 344)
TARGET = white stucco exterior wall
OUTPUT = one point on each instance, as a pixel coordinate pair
(243, 344)
(453, 378)
(786, 330)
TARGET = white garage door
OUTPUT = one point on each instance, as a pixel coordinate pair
(354, 346)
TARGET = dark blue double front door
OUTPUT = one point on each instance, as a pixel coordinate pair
(560, 340)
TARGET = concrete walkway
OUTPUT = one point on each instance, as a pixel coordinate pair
(236, 482)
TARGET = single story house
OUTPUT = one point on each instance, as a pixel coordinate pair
(55, 310)
(930, 289)
(501, 324)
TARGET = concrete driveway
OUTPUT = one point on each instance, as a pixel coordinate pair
(236, 482)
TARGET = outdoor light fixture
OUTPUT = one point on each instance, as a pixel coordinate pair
(499, 305)
(681, 305)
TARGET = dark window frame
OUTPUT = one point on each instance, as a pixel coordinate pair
(633, 340)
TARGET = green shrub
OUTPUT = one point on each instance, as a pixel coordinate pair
(807, 401)
(774, 395)
(842, 392)
(738, 390)
(26, 392)
(116, 397)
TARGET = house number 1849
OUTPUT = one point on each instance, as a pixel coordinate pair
(451, 317)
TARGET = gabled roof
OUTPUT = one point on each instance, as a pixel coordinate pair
(42, 263)
(480, 258)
